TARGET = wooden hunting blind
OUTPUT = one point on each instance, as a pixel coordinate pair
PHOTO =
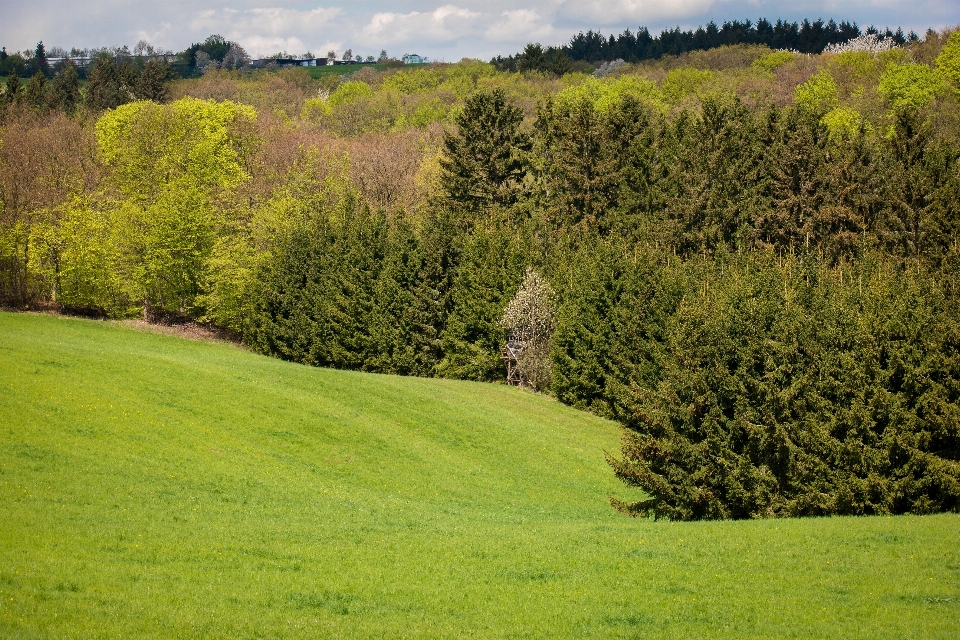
(512, 351)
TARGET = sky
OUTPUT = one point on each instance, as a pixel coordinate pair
(440, 29)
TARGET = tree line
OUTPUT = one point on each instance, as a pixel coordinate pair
(594, 47)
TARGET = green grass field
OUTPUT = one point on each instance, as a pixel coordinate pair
(152, 486)
(342, 69)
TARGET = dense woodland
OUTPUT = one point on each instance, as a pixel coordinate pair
(750, 258)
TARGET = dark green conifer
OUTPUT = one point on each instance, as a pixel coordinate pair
(489, 271)
(64, 92)
(35, 94)
(12, 92)
(103, 90)
(152, 83)
(485, 160)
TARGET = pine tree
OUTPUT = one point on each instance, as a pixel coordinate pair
(35, 94)
(12, 93)
(103, 89)
(153, 81)
(485, 161)
(64, 92)
(40, 55)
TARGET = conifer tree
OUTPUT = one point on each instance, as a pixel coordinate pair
(485, 161)
(103, 90)
(487, 276)
(35, 94)
(40, 55)
(64, 92)
(12, 93)
(152, 83)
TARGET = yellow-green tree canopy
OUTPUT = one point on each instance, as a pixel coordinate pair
(149, 146)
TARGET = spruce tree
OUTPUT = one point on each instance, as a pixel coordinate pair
(103, 89)
(64, 92)
(35, 94)
(487, 276)
(40, 55)
(485, 161)
(153, 81)
(14, 87)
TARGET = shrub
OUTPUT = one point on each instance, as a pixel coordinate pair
(349, 92)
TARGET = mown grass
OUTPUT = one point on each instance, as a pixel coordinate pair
(343, 69)
(156, 487)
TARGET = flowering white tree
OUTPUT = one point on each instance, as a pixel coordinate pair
(869, 42)
(530, 321)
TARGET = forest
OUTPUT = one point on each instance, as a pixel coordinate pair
(748, 257)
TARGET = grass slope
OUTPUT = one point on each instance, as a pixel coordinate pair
(156, 487)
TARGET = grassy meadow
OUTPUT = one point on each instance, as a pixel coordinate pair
(152, 486)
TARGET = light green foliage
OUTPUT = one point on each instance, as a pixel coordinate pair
(817, 93)
(417, 81)
(153, 487)
(315, 109)
(856, 63)
(90, 275)
(148, 146)
(683, 82)
(349, 92)
(167, 164)
(773, 61)
(426, 112)
(605, 95)
(842, 123)
(948, 62)
(909, 86)
(461, 79)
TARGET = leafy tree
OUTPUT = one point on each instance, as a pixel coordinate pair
(948, 61)
(235, 58)
(909, 86)
(530, 321)
(167, 164)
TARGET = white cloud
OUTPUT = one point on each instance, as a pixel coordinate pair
(521, 24)
(447, 29)
(632, 12)
(444, 24)
(269, 21)
(263, 31)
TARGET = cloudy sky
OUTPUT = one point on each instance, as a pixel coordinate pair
(442, 29)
